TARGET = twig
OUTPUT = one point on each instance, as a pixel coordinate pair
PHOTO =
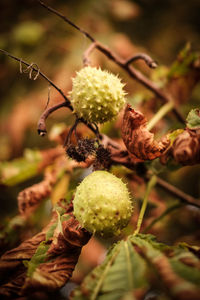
(41, 127)
(135, 74)
(183, 197)
(41, 123)
(146, 58)
(86, 54)
(68, 104)
(67, 20)
(68, 138)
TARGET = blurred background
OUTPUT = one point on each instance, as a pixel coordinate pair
(158, 28)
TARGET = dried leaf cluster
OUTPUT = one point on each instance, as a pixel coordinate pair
(47, 260)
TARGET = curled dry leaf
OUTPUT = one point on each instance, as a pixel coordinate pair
(12, 269)
(30, 198)
(138, 140)
(61, 257)
(46, 261)
(186, 147)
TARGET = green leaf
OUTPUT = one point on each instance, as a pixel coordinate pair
(193, 119)
(182, 65)
(132, 266)
(122, 271)
(41, 254)
(176, 267)
(38, 258)
(21, 169)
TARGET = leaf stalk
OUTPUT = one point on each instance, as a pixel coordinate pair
(150, 185)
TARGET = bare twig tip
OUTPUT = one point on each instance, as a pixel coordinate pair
(41, 132)
(153, 64)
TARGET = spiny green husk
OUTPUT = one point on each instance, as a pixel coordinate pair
(102, 204)
(97, 95)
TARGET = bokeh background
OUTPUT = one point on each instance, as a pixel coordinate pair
(158, 28)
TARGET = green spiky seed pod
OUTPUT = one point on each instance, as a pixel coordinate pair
(102, 204)
(97, 95)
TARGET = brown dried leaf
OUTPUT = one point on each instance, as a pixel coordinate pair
(172, 280)
(30, 198)
(11, 290)
(63, 253)
(12, 269)
(49, 156)
(186, 147)
(26, 250)
(171, 265)
(50, 256)
(138, 140)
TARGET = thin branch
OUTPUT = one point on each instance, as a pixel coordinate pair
(67, 20)
(135, 74)
(86, 54)
(90, 126)
(139, 77)
(183, 197)
(146, 58)
(68, 138)
(41, 127)
(41, 123)
(36, 69)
